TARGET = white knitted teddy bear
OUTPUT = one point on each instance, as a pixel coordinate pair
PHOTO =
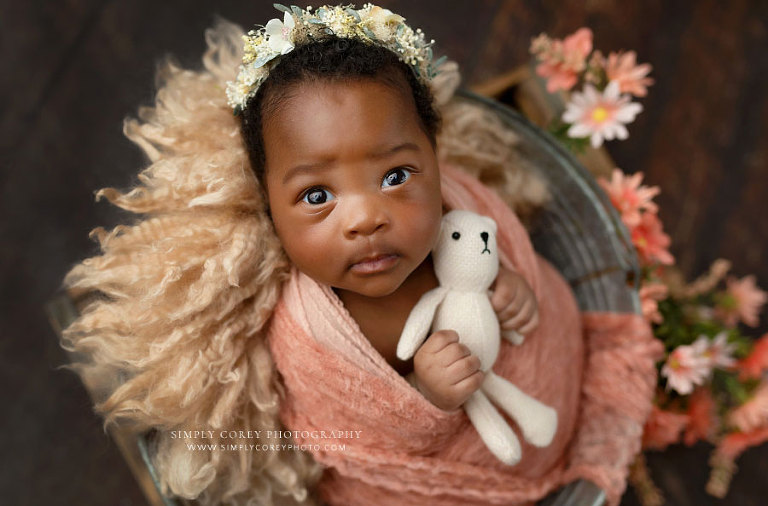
(466, 263)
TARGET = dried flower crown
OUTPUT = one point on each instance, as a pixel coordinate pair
(265, 45)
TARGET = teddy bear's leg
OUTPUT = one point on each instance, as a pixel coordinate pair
(493, 429)
(537, 421)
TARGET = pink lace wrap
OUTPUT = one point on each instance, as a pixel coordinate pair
(596, 370)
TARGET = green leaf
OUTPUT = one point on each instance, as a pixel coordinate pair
(281, 7)
(296, 11)
(352, 13)
(559, 130)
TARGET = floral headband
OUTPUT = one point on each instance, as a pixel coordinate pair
(265, 45)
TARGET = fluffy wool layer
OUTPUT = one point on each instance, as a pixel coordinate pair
(173, 335)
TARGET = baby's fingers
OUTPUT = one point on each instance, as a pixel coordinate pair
(512, 309)
(522, 318)
(503, 295)
(531, 325)
(439, 340)
(467, 386)
(463, 368)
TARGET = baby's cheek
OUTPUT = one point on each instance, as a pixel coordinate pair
(425, 219)
(308, 251)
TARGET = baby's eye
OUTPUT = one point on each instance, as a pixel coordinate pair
(317, 196)
(396, 176)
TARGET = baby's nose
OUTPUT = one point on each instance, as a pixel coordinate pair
(484, 236)
(365, 217)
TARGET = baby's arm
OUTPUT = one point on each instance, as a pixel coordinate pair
(515, 303)
(445, 372)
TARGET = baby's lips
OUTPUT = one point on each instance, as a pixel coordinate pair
(375, 264)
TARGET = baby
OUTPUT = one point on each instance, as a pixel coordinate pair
(271, 295)
(342, 137)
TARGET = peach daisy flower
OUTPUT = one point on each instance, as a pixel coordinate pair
(753, 414)
(663, 428)
(600, 116)
(623, 68)
(628, 196)
(742, 301)
(686, 367)
(651, 241)
(701, 417)
(753, 366)
(561, 61)
(650, 294)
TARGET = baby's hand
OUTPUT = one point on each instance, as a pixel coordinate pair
(446, 372)
(514, 303)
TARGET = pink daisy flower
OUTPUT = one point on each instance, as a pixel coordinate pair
(600, 116)
(623, 68)
(651, 241)
(701, 416)
(663, 428)
(756, 362)
(686, 367)
(562, 61)
(753, 414)
(629, 196)
(734, 444)
(650, 294)
(742, 301)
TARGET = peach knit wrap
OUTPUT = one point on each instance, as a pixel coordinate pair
(596, 369)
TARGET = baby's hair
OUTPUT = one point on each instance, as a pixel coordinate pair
(331, 59)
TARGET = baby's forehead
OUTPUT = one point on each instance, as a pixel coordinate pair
(306, 98)
(356, 117)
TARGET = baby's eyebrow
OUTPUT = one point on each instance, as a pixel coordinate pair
(303, 169)
(313, 167)
(406, 146)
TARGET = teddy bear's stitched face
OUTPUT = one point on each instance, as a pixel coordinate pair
(465, 256)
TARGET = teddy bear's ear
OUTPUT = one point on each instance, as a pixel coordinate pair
(491, 223)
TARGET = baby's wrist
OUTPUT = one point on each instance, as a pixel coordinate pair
(412, 380)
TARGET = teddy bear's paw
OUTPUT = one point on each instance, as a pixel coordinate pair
(540, 428)
(506, 449)
(513, 337)
(493, 429)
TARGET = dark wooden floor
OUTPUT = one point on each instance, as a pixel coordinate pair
(73, 69)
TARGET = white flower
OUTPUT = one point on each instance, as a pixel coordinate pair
(600, 116)
(380, 21)
(720, 352)
(687, 366)
(280, 34)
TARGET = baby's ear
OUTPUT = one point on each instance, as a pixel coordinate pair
(491, 223)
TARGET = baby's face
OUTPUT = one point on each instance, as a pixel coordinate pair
(353, 184)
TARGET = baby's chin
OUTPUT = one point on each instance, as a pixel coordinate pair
(372, 287)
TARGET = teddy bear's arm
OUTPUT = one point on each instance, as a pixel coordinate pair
(419, 321)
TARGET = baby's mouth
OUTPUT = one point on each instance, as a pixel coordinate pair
(375, 263)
